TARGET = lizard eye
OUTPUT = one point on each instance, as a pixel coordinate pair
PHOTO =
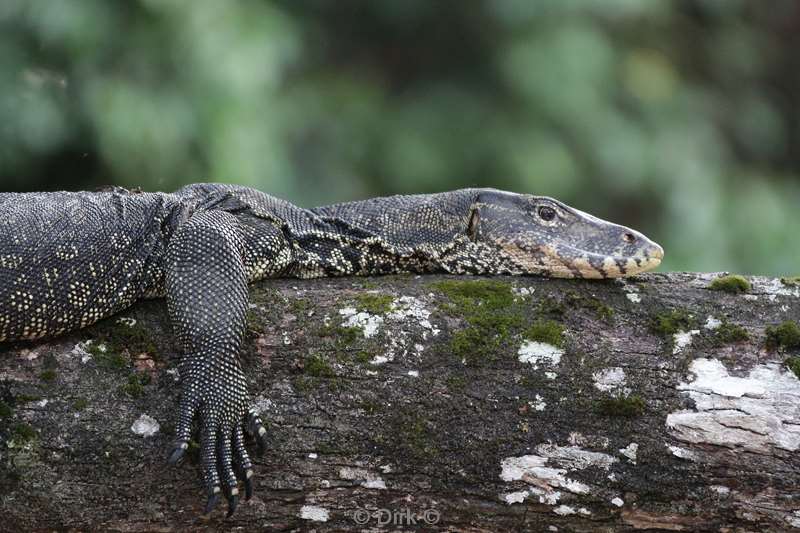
(547, 213)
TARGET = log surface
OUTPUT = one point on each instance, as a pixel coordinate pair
(409, 403)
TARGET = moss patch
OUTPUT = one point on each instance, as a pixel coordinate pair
(728, 333)
(601, 310)
(733, 284)
(48, 374)
(345, 336)
(106, 358)
(374, 304)
(621, 406)
(80, 404)
(135, 385)
(317, 367)
(22, 433)
(548, 331)
(5, 410)
(791, 281)
(793, 364)
(491, 314)
(414, 435)
(783, 336)
(672, 322)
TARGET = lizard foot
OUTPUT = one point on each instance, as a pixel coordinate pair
(223, 454)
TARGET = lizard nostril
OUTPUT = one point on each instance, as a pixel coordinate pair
(629, 237)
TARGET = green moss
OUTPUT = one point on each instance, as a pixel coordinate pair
(791, 281)
(107, 358)
(345, 336)
(48, 374)
(120, 337)
(491, 314)
(80, 404)
(135, 385)
(5, 410)
(414, 435)
(785, 336)
(621, 406)
(601, 310)
(22, 433)
(551, 307)
(374, 304)
(728, 333)
(317, 367)
(467, 293)
(370, 407)
(672, 322)
(27, 398)
(300, 306)
(548, 331)
(456, 382)
(302, 384)
(363, 357)
(793, 364)
(732, 283)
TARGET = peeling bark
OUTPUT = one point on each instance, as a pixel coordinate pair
(381, 411)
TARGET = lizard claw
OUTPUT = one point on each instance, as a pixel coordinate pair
(248, 485)
(213, 498)
(257, 429)
(233, 501)
(178, 452)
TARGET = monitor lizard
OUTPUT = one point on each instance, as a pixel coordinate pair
(69, 259)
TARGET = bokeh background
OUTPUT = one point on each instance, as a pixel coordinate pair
(679, 118)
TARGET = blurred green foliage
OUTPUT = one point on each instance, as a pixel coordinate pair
(679, 118)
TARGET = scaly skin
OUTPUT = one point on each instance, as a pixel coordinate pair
(68, 260)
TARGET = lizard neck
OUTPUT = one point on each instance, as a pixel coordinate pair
(383, 235)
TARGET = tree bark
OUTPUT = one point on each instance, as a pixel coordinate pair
(432, 403)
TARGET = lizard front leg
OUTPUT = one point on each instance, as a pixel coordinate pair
(206, 289)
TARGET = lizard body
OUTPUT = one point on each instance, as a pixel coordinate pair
(69, 259)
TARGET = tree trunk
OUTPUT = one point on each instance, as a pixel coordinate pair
(432, 403)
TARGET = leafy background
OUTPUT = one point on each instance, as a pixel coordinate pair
(679, 118)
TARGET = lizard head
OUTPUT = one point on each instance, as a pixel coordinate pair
(540, 235)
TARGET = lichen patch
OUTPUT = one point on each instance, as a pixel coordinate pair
(757, 413)
(314, 513)
(548, 470)
(369, 324)
(682, 339)
(146, 426)
(535, 353)
(609, 379)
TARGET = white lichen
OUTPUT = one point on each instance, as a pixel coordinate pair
(755, 412)
(609, 379)
(146, 426)
(368, 479)
(630, 451)
(534, 353)
(682, 453)
(314, 513)
(633, 297)
(549, 470)
(682, 339)
(564, 510)
(369, 324)
(538, 404)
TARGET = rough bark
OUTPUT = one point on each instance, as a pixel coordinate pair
(399, 397)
